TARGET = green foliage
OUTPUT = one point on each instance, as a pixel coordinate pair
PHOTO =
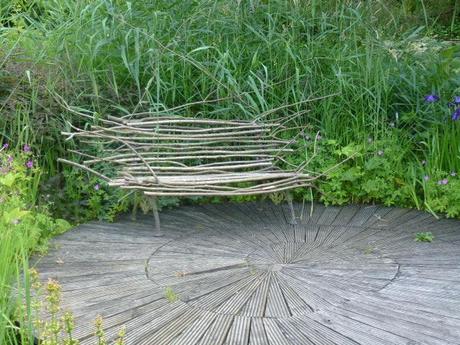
(254, 56)
(80, 197)
(18, 212)
(90, 198)
(59, 325)
(424, 237)
(367, 172)
(369, 249)
(24, 227)
(170, 295)
(442, 193)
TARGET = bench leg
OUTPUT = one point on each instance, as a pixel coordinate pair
(292, 221)
(156, 215)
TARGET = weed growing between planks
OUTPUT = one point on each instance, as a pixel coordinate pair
(52, 325)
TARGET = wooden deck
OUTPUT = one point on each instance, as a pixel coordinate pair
(244, 276)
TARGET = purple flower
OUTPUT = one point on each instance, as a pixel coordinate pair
(5, 146)
(30, 164)
(426, 177)
(318, 137)
(431, 98)
(443, 181)
(26, 148)
(456, 100)
(97, 186)
(10, 159)
(380, 152)
(456, 114)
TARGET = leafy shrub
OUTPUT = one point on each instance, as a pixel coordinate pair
(25, 226)
(442, 193)
(78, 196)
(90, 198)
(20, 217)
(367, 172)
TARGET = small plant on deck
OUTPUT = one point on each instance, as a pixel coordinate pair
(424, 237)
(170, 295)
(58, 328)
(369, 249)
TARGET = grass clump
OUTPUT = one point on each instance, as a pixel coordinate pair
(171, 295)
(424, 237)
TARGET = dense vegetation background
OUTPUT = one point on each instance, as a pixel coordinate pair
(365, 68)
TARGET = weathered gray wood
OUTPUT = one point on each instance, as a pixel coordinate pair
(274, 334)
(258, 336)
(218, 332)
(239, 332)
(244, 276)
(188, 156)
(195, 332)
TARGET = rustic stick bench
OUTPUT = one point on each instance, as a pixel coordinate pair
(170, 155)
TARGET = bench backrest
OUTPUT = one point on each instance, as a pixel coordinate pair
(187, 156)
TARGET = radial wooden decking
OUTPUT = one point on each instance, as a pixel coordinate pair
(244, 276)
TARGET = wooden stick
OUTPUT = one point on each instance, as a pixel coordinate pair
(84, 168)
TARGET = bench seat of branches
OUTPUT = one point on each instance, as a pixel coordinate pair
(184, 156)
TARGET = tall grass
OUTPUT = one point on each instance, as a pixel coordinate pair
(118, 57)
(15, 325)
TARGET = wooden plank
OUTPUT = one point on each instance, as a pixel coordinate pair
(329, 215)
(235, 303)
(274, 334)
(193, 334)
(218, 332)
(239, 332)
(258, 336)
(166, 334)
(276, 304)
(256, 306)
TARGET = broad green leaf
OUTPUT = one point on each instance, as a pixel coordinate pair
(8, 179)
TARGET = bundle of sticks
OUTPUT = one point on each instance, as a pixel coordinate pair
(185, 156)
